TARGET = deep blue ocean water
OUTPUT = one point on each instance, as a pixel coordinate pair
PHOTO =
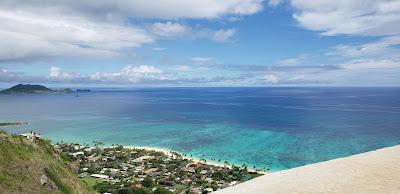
(276, 128)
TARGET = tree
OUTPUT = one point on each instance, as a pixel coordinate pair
(102, 187)
(148, 182)
(98, 143)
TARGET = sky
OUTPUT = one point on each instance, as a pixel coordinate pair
(200, 43)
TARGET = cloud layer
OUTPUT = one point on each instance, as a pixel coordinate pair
(41, 30)
(162, 9)
(355, 17)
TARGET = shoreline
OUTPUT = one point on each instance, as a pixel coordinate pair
(194, 159)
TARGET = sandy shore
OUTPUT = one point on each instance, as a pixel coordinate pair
(198, 160)
(168, 152)
(371, 172)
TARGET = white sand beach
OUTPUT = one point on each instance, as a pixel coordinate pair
(194, 159)
(371, 172)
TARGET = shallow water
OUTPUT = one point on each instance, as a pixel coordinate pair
(276, 128)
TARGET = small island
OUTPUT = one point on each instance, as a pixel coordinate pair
(83, 90)
(32, 89)
(13, 123)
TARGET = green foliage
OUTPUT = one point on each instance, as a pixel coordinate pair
(119, 147)
(218, 176)
(98, 143)
(102, 187)
(148, 182)
(162, 191)
(133, 191)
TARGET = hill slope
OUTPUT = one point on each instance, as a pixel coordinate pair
(23, 164)
(27, 89)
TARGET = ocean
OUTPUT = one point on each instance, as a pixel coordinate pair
(274, 128)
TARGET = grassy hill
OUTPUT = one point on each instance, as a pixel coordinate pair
(29, 89)
(23, 164)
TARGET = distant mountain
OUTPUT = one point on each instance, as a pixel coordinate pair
(29, 89)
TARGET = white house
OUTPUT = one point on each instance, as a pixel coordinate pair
(100, 176)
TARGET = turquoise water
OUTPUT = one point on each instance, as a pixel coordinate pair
(276, 128)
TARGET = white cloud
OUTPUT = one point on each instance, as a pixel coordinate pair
(201, 59)
(182, 68)
(162, 9)
(371, 64)
(381, 54)
(386, 47)
(223, 35)
(130, 74)
(274, 3)
(355, 17)
(56, 74)
(142, 69)
(27, 36)
(55, 71)
(173, 29)
(292, 61)
(159, 49)
(169, 29)
(270, 78)
(40, 30)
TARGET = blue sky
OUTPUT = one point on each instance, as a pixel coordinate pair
(201, 43)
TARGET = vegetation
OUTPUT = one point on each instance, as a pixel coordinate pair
(28, 89)
(124, 170)
(12, 123)
(23, 164)
(37, 166)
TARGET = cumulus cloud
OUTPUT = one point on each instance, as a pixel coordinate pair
(169, 29)
(130, 74)
(223, 35)
(55, 71)
(355, 17)
(28, 36)
(162, 9)
(172, 29)
(39, 30)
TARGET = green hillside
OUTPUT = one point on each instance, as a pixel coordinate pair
(24, 164)
(29, 89)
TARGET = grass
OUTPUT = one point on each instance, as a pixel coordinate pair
(91, 181)
(22, 163)
(56, 179)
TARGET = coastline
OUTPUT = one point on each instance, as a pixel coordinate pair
(195, 159)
